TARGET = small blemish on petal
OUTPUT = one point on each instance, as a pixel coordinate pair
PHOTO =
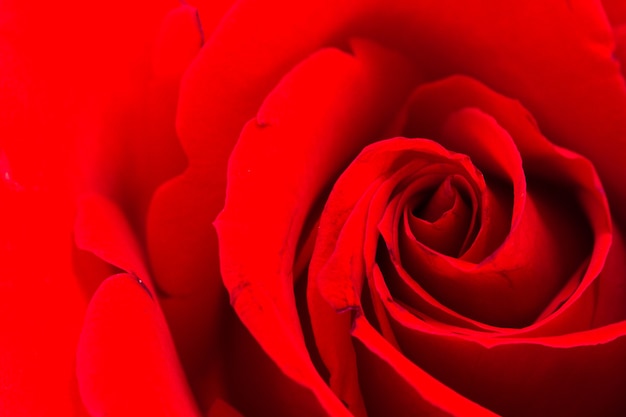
(142, 284)
(200, 28)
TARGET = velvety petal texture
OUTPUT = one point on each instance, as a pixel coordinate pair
(320, 208)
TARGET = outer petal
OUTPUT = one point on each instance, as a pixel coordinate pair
(153, 154)
(102, 229)
(154, 158)
(315, 121)
(179, 241)
(405, 385)
(126, 361)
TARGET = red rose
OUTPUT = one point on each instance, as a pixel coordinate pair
(419, 209)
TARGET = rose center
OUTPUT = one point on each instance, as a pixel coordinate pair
(441, 219)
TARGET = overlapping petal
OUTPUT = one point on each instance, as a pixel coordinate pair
(126, 361)
(345, 274)
(491, 42)
(258, 240)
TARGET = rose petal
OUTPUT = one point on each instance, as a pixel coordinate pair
(555, 376)
(257, 256)
(514, 65)
(179, 233)
(102, 229)
(331, 317)
(512, 286)
(615, 10)
(405, 288)
(119, 98)
(154, 154)
(126, 361)
(256, 383)
(406, 389)
(609, 290)
(442, 223)
(346, 245)
(213, 104)
(572, 35)
(260, 60)
(221, 408)
(178, 43)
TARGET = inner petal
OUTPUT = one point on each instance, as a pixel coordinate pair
(442, 223)
(439, 202)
